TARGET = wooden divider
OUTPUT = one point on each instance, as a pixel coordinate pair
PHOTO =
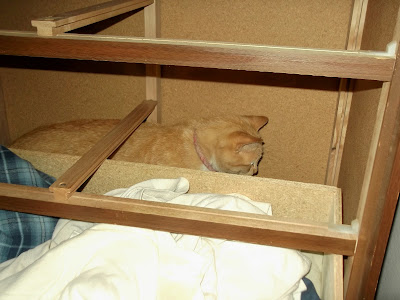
(345, 97)
(4, 130)
(75, 176)
(246, 227)
(385, 138)
(153, 72)
(290, 60)
(67, 21)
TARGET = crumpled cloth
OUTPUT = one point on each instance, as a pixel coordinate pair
(20, 232)
(103, 261)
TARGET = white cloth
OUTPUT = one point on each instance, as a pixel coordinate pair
(102, 261)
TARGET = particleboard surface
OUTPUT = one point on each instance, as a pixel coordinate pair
(61, 90)
(378, 32)
(380, 23)
(356, 149)
(301, 109)
(288, 199)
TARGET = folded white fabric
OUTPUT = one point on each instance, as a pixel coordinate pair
(101, 261)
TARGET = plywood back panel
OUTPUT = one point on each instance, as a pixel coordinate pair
(38, 97)
(301, 109)
(41, 91)
(380, 24)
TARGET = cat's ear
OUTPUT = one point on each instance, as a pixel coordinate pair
(257, 122)
(243, 141)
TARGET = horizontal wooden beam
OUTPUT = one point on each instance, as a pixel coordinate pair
(67, 21)
(75, 176)
(246, 227)
(317, 62)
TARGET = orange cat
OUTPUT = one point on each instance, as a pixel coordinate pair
(230, 145)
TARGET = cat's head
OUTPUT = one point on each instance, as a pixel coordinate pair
(234, 144)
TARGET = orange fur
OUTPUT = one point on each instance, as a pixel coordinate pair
(231, 145)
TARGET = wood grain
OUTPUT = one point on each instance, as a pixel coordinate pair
(75, 176)
(67, 21)
(4, 130)
(389, 209)
(385, 226)
(304, 61)
(345, 97)
(332, 270)
(246, 227)
(153, 72)
(376, 182)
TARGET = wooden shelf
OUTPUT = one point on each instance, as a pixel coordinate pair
(290, 60)
(64, 22)
(251, 228)
(327, 235)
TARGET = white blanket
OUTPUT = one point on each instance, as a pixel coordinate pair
(102, 261)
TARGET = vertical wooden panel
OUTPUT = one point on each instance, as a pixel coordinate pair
(153, 72)
(4, 131)
(378, 31)
(375, 185)
(345, 96)
(385, 226)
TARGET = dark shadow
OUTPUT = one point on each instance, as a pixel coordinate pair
(71, 65)
(174, 72)
(102, 25)
(251, 77)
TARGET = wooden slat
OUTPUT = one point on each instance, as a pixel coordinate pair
(385, 226)
(246, 227)
(4, 129)
(75, 176)
(153, 72)
(64, 22)
(332, 264)
(357, 24)
(345, 97)
(376, 182)
(330, 63)
(389, 209)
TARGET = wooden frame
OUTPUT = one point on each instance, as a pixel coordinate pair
(348, 64)
(153, 72)
(317, 62)
(4, 132)
(54, 25)
(345, 96)
(312, 236)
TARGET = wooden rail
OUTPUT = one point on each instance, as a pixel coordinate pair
(64, 22)
(75, 176)
(246, 227)
(304, 61)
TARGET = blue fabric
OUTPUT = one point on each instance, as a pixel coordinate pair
(311, 293)
(20, 232)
